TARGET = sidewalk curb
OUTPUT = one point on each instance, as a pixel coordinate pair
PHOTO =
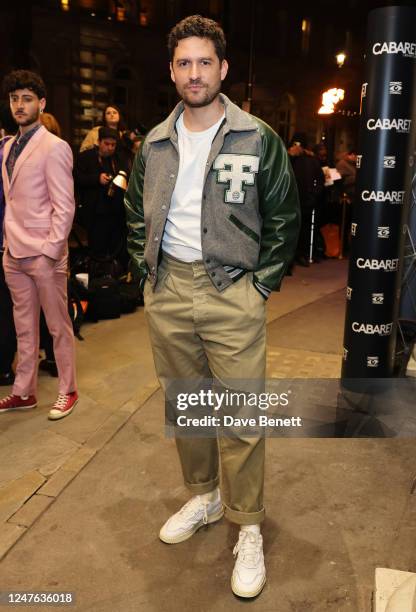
(36, 501)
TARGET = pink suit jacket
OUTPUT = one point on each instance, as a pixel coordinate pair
(40, 203)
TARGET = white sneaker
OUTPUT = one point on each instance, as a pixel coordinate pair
(249, 575)
(198, 511)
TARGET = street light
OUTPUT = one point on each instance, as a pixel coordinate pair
(340, 57)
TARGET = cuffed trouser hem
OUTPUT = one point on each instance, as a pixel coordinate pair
(244, 518)
(203, 487)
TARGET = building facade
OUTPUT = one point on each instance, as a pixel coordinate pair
(92, 52)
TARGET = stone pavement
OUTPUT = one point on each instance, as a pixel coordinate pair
(82, 500)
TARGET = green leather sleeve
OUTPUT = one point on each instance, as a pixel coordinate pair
(133, 202)
(279, 208)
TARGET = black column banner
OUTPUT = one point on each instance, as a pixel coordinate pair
(383, 189)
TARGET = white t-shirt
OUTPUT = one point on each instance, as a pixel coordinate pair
(182, 236)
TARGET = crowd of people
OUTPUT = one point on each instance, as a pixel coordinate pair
(318, 195)
(100, 175)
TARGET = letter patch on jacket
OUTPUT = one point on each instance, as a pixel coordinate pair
(237, 171)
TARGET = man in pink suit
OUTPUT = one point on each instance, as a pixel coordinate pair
(38, 187)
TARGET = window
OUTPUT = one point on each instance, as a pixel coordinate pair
(286, 117)
(122, 80)
(91, 90)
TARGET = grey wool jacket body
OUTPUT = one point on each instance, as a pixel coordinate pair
(249, 210)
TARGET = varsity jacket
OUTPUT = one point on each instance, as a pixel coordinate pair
(249, 211)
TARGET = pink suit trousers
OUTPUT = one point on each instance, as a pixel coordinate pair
(36, 282)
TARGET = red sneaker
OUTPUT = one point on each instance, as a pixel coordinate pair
(15, 402)
(63, 406)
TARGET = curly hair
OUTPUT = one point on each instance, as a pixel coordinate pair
(24, 79)
(202, 27)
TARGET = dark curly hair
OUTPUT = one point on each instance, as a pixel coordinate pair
(24, 79)
(202, 27)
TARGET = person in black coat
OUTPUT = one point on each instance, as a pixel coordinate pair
(101, 200)
(310, 181)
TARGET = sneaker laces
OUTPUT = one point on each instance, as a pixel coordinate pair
(193, 506)
(61, 401)
(6, 399)
(248, 548)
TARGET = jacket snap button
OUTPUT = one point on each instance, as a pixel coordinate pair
(205, 230)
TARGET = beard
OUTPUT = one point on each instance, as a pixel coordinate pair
(27, 119)
(207, 96)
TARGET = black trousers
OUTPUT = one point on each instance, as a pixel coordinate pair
(7, 331)
(107, 235)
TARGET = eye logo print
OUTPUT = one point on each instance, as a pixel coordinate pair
(378, 298)
(395, 87)
(383, 232)
(389, 161)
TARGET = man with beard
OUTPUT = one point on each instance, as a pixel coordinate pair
(40, 206)
(213, 218)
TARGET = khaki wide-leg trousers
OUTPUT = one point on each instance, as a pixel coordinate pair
(198, 333)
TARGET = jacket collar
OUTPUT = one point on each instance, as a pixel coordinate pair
(236, 120)
(27, 151)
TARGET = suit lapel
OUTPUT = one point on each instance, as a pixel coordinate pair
(7, 147)
(27, 151)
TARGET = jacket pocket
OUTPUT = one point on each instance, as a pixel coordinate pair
(43, 223)
(244, 228)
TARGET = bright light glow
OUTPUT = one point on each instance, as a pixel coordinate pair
(304, 25)
(121, 13)
(340, 57)
(329, 99)
(65, 5)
